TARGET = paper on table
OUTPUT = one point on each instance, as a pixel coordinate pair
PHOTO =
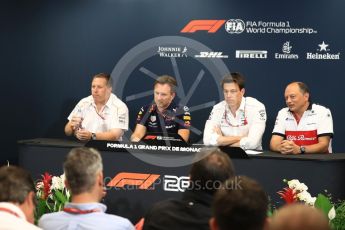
(253, 152)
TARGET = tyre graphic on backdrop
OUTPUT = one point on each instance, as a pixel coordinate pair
(172, 55)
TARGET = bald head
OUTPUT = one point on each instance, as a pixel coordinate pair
(300, 85)
(299, 217)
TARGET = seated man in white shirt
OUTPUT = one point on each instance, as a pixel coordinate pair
(101, 116)
(237, 121)
(302, 127)
(17, 199)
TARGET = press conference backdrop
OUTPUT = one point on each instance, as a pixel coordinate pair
(51, 49)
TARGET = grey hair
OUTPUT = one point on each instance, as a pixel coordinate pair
(15, 184)
(81, 168)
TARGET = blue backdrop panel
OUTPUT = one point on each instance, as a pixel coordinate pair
(51, 49)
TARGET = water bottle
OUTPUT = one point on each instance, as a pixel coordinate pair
(79, 114)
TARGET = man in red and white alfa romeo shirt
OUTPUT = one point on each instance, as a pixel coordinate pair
(302, 127)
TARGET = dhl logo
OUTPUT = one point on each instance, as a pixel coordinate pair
(211, 26)
(143, 181)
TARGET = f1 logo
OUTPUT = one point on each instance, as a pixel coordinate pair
(150, 137)
(144, 181)
(211, 26)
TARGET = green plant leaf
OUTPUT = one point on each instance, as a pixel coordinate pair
(339, 221)
(322, 202)
(60, 196)
(49, 206)
(41, 209)
(60, 206)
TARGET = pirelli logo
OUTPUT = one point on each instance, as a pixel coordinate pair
(143, 181)
(253, 54)
(211, 26)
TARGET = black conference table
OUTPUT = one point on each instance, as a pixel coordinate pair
(159, 175)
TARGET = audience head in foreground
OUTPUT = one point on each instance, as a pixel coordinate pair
(211, 168)
(84, 177)
(193, 211)
(299, 217)
(17, 199)
(240, 205)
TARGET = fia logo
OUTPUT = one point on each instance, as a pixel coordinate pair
(235, 26)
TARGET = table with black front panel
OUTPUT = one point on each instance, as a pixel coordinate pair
(139, 178)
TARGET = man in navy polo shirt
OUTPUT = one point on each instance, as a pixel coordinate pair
(302, 127)
(163, 116)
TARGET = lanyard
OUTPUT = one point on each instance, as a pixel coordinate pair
(243, 118)
(79, 211)
(99, 113)
(9, 211)
(166, 115)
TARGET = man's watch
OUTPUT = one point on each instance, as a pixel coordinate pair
(302, 149)
(93, 136)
